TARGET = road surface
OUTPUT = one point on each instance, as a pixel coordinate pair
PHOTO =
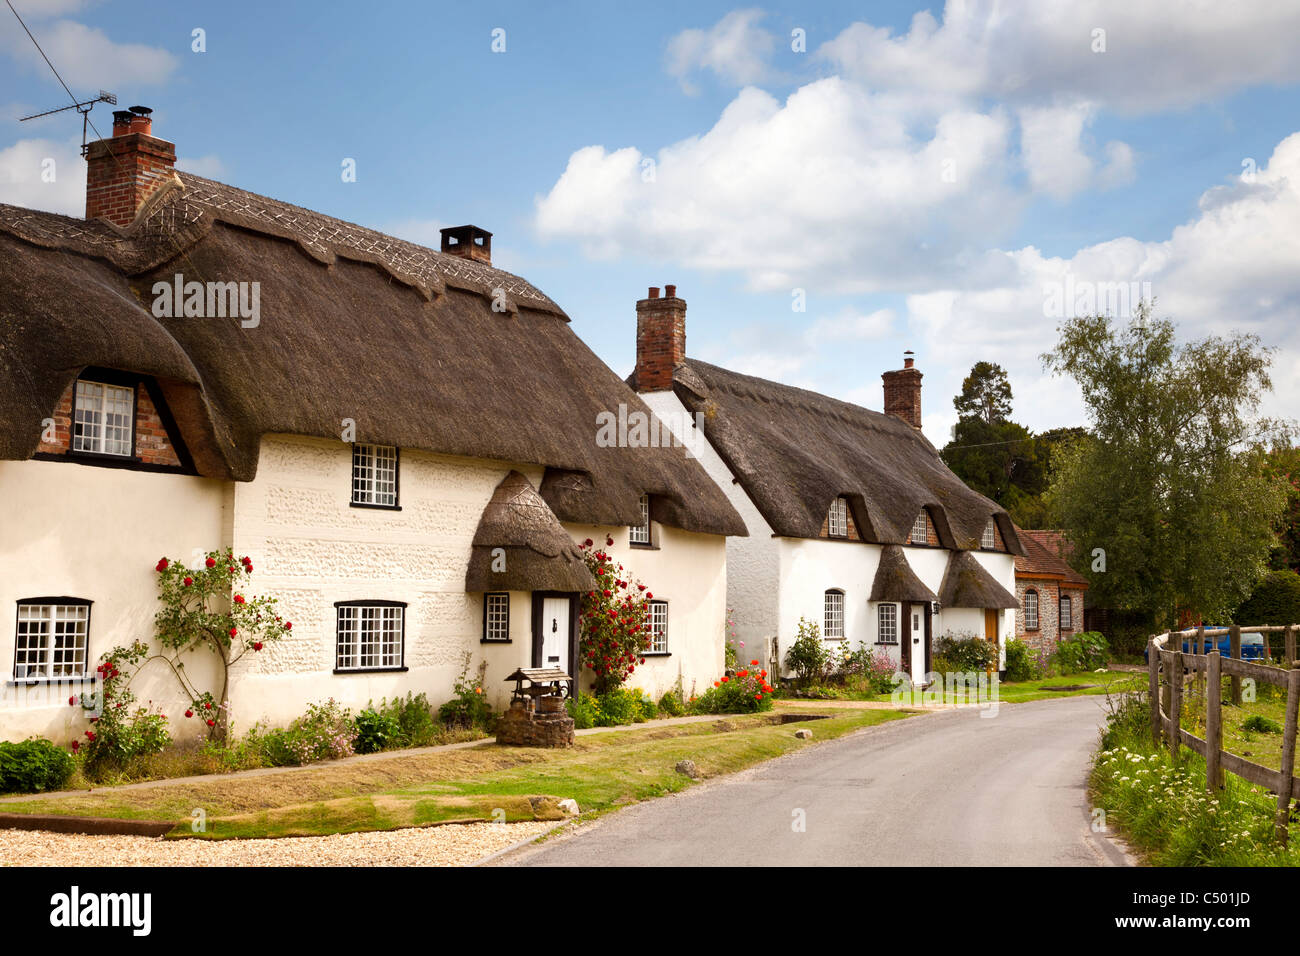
(943, 789)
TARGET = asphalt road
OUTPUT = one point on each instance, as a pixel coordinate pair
(949, 788)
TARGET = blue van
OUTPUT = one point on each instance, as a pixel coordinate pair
(1252, 645)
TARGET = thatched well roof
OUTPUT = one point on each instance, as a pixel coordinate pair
(537, 554)
(966, 583)
(354, 324)
(795, 451)
(895, 579)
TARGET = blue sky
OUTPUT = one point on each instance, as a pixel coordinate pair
(921, 179)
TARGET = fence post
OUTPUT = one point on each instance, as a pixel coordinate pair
(1268, 647)
(1285, 785)
(1200, 648)
(1213, 721)
(1288, 643)
(1175, 702)
(1153, 688)
(1234, 650)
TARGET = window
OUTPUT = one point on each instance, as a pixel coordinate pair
(833, 618)
(640, 533)
(51, 639)
(837, 525)
(374, 476)
(103, 419)
(658, 627)
(919, 535)
(496, 617)
(1066, 618)
(1031, 610)
(888, 624)
(989, 539)
(370, 635)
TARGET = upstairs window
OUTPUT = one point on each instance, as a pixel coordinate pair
(370, 635)
(640, 533)
(837, 524)
(1066, 617)
(888, 620)
(103, 419)
(989, 540)
(833, 615)
(51, 639)
(1031, 610)
(919, 530)
(496, 617)
(374, 476)
(658, 627)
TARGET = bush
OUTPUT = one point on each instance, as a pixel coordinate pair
(120, 733)
(325, 732)
(745, 693)
(807, 656)
(377, 731)
(1275, 600)
(670, 704)
(617, 707)
(963, 653)
(1022, 662)
(1086, 651)
(417, 726)
(469, 708)
(33, 766)
(647, 707)
(1261, 724)
(583, 709)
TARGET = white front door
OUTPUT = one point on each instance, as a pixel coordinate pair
(916, 632)
(555, 632)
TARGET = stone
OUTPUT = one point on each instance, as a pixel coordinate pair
(522, 727)
(687, 768)
(803, 734)
(569, 807)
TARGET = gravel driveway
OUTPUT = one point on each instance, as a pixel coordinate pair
(449, 845)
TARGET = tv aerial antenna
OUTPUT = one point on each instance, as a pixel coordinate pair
(83, 108)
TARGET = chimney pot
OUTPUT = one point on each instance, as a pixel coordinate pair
(903, 392)
(467, 242)
(124, 170)
(660, 340)
(654, 292)
(670, 291)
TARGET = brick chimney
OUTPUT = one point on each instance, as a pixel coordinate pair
(468, 242)
(660, 339)
(903, 392)
(122, 172)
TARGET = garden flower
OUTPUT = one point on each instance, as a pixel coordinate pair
(72, 700)
(189, 713)
(189, 581)
(162, 564)
(211, 562)
(76, 745)
(212, 723)
(239, 599)
(288, 625)
(257, 645)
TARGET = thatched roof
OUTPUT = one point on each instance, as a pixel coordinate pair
(795, 451)
(354, 325)
(537, 553)
(966, 583)
(895, 579)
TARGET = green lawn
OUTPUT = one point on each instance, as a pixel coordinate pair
(602, 772)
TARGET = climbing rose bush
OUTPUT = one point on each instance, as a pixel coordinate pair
(615, 620)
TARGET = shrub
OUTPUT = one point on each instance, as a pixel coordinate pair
(33, 766)
(417, 726)
(583, 709)
(1022, 662)
(670, 704)
(469, 708)
(615, 616)
(120, 734)
(617, 707)
(377, 731)
(745, 693)
(1086, 651)
(962, 653)
(807, 656)
(1261, 724)
(1275, 600)
(325, 732)
(647, 708)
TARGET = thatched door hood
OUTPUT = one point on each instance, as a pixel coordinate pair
(895, 579)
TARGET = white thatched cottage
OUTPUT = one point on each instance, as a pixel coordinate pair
(365, 418)
(854, 522)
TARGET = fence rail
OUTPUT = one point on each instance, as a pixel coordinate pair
(1208, 665)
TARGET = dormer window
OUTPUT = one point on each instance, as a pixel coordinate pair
(920, 530)
(837, 524)
(374, 476)
(103, 419)
(989, 539)
(640, 533)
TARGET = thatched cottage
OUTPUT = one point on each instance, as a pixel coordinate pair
(369, 420)
(854, 521)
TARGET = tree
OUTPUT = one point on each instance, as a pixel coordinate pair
(1275, 600)
(985, 394)
(994, 459)
(1284, 463)
(1168, 493)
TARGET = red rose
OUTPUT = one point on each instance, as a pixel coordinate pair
(609, 542)
(207, 706)
(76, 745)
(239, 599)
(643, 660)
(162, 565)
(587, 543)
(724, 680)
(231, 569)
(257, 646)
(90, 735)
(245, 560)
(716, 684)
(648, 595)
(189, 713)
(755, 663)
(211, 563)
(758, 697)
(248, 568)
(212, 723)
(189, 581)
(288, 625)
(234, 631)
(72, 700)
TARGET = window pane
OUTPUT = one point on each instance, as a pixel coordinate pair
(989, 540)
(659, 627)
(833, 625)
(640, 534)
(838, 522)
(888, 614)
(496, 611)
(102, 417)
(919, 535)
(51, 640)
(374, 475)
(1031, 609)
(369, 637)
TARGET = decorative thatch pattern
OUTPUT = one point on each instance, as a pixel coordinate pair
(966, 583)
(537, 553)
(795, 451)
(354, 325)
(895, 579)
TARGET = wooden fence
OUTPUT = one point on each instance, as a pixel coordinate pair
(1206, 668)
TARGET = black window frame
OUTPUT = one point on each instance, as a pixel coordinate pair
(494, 640)
(651, 652)
(1062, 602)
(1038, 609)
(397, 478)
(87, 676)
(106, 376)
(401, 668)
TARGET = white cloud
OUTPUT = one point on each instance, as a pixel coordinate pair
(852, 325)
(1158, 53)
(44, 174)
(1054, 151)
(87, 59)
(735, 48)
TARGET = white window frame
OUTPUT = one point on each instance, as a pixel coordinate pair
(837, 522)
(369, 636)
(833, 614)
(920, 529)
(101, 410)
(374, 475)
(1064, 620)
(1031, 616)
(989, 539)
(887, 624)
(496, 617)
(657, 619)
(640, 533)
(51, 639)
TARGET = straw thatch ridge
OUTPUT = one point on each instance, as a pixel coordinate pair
(895, 579)
(538, 553)
(966, 583)
(795, 451)
(402, 340)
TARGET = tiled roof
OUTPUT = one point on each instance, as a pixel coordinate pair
(1045, 553)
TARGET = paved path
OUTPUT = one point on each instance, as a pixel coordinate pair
(950, 788)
